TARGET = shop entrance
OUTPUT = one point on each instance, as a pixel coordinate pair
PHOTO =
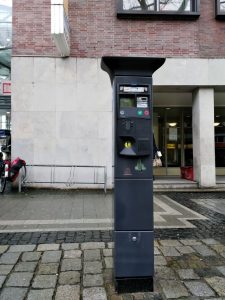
(173, 135)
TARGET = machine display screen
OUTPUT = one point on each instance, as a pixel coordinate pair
(127, 102)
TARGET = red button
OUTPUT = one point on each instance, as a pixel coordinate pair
(146, 113)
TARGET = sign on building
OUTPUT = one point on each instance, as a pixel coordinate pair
(5, 88)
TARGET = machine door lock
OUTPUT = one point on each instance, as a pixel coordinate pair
(135, 237)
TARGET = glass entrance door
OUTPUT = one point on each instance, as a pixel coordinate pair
(173, 135)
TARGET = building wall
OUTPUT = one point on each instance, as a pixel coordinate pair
(96, 31)
(62, 108)
(61, 114)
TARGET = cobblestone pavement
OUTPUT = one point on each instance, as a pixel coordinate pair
(189, 262)
(185, 269)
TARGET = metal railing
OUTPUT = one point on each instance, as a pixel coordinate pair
(73, 176)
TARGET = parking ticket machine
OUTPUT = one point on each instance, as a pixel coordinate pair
(131, 78)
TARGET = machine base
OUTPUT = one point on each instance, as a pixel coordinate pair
(134, 285)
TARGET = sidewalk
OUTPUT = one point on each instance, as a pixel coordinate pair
(187, 269)
(78, 264)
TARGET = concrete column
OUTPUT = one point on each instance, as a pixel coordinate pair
(203, 137)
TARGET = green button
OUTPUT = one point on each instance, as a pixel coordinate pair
(140, 112)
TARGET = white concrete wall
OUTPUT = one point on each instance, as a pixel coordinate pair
(62, 108)
(203, 137)
(61, 112)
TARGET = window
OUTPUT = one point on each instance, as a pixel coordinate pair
(220, 9)
(153, 8)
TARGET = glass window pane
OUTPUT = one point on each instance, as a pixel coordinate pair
(5, 10)
(222, 5)
(219, 125)
(175, 5)
(138, 4)
(5, 35)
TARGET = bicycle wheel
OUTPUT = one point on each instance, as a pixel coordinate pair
(2, 184)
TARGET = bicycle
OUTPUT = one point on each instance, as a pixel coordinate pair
(10, 171)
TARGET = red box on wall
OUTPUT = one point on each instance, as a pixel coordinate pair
(187, 173)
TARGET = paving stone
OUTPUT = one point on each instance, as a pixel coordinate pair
(21, 248)
(190, 242)
(208, 272)
(94, 254)
(160, 261)
(127, 297)
(96, 293)
(204, 250)
(68, 292)
(169, 251)
(110, 245)
(173, 289)
(221, 270)
(2, 279)
(164, 273)
(48, 247)
(108, 276)
(185, 249)
(171, 243)
(213, 261)
(218, 284)
(71, 278)
(48, 269)
(151, 296)
(51, 257)
(21, 279)
(187, 274)
(92, 267)
(156, 243)
(5, 269)
(44, 281)
(211, 242)
(72, 254)
(107, 252)
(116, 297)
(26, 266)
(92, 245)
(70, 246)
(214, 298)
(92, 280)
(45, 294)
(31, 256)
(200, 289)
(9, 258)
(156, 251)
(108, 262)
(71, 264)
(13, 294)
(3, 249)
(191, 261)
(218, 248)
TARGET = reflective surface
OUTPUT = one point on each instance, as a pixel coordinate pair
(173, 135)
(222, 5)
(175, 5)
(159, 5)
(5, 38)
(138, 4)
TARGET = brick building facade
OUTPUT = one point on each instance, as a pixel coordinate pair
(61, 107)
(96, 31)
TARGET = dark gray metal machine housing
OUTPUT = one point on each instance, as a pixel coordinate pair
(131, 78)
